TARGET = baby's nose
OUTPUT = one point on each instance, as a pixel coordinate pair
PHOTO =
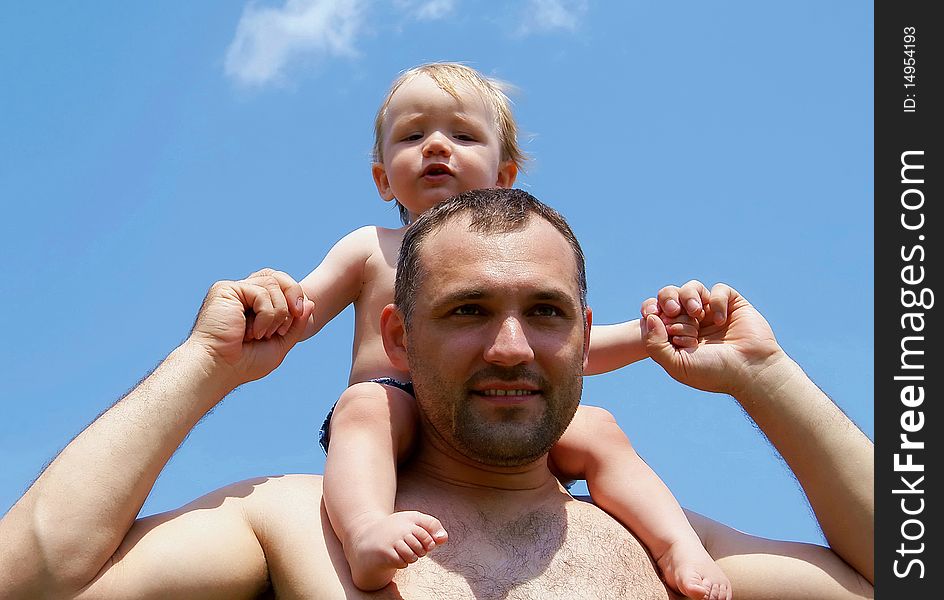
(437, 143)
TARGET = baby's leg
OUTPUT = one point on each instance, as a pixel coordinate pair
(596, 449)
(372, 428)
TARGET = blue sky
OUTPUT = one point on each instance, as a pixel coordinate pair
(150, 149)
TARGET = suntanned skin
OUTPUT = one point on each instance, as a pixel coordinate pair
(515, 532)
(435, 145)
(487, 551)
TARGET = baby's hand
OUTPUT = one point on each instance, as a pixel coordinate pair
(683, 310)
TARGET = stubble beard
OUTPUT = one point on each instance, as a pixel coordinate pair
(450, 409)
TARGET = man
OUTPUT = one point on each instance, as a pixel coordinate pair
(498, 302)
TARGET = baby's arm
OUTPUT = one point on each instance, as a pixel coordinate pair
(337, 281)
(615, 346)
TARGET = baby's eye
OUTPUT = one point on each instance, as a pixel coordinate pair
(413, 137)
(464, 137)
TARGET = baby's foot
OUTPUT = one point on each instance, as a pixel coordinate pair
(694, 574)
(381, 546)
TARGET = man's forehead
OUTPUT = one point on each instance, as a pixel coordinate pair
(457, 233)
(457, 256)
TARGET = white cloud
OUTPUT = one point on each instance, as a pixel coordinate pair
(427, 10)
(267, 38)
(550, 15)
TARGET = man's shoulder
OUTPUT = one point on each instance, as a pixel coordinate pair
(292, 481)
(303, 556)
(285, 490)
(279, 502)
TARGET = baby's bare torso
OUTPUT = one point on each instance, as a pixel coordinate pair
(369, 360)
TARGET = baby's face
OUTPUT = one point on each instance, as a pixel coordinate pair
(435, 146)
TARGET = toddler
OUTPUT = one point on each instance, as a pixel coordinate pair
(443, 129)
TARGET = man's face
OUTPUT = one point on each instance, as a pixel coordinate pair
(497, 340)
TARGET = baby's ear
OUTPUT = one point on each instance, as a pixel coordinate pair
(393, 332)
(507, 173)
(381, 181)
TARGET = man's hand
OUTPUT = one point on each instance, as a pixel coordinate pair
(733, 344)
(243, 331)
(247, 327)
(736, 353)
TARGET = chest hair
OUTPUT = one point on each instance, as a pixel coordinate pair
(577, 552)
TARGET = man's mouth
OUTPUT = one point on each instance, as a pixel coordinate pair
(507, 392)
(507, 386)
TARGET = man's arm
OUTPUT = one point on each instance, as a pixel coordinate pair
(63, 536)
(765, 569)
(832, 459)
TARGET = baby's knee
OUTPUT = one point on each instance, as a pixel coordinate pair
(599, 426)
(361, 402)
(370, 404)
(594, 415)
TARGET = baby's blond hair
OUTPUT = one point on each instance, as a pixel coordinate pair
(449, 76)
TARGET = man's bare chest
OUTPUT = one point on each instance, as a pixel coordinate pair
(539, 555)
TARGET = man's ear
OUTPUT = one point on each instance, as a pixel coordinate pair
(380, 180)
(507, 173)
(588, 322)
(393, 332)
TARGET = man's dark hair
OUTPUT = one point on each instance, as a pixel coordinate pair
(493, 210)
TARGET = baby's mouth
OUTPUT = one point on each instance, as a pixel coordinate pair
(436, 171)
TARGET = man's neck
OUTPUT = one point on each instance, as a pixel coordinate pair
(440, 464)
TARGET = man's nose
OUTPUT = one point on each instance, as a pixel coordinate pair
(510, 346)
(437, 144)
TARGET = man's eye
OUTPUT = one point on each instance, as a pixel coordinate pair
(467, 310)
(546, 310)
